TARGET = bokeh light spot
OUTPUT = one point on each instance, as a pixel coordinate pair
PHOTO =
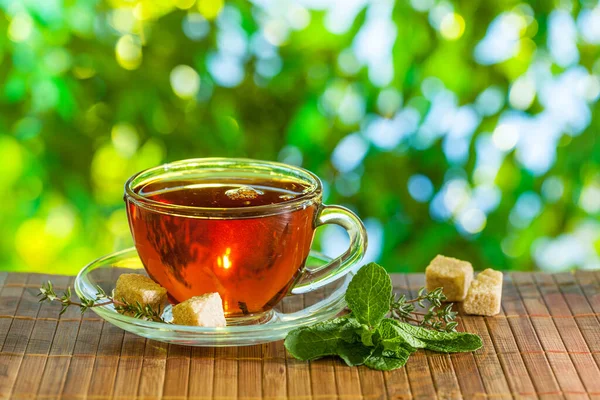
(553, 189)
(473, 220)
(389, 101)
(589, 199)
(122, 19)
(20, 28)
(195, 26)
(210, 9)
(129, 52)
(350, 152)
(505, 137)
(290, 155)
(125, 139)
(184, 4)
(185, 81)
(60, 222)
(276, 32)
(522, 93)
(298, 17)
(11, 161)
(40, 252)
(452, 26)
(420, 188)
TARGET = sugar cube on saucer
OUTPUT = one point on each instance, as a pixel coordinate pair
(453, 275)
(134, 288)
(485, 294)
(205, 310)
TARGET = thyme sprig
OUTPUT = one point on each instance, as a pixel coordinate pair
(137, 310)
(438, 317)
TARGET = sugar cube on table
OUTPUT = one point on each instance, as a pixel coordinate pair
(205, 310)
(485, 294)
(133, 288)
(452, 275)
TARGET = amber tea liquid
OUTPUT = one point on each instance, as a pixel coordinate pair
(251, 262)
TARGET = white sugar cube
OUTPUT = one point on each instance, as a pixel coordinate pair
(205, 310)
(485, 294)
(136, 288)
(452, 275)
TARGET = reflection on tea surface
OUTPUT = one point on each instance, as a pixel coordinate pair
(222, 194)
(251, 262)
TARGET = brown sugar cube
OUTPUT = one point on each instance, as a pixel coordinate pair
(485, 294)
(205, 310)
(134, 288)
(452, 275)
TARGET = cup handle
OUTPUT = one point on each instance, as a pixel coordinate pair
(315, 278)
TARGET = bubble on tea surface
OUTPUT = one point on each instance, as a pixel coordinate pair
(286, 197)
(243, 193)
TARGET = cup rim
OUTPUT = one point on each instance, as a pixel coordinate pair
(301, 201)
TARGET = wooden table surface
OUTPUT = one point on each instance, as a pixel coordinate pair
(545, 344)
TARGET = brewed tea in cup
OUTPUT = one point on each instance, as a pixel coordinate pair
(242, 228)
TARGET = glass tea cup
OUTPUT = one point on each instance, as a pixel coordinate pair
(239, 227)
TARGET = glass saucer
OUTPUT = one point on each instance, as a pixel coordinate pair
(292, 312)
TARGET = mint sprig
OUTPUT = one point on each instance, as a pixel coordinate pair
(367, 337)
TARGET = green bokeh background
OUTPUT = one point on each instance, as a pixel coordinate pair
(92, 91)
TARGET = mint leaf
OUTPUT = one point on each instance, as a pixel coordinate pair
(369, 294)
(385, 360)
(353, 353)
(319, 340)
(366, 335)
(336, 337)
(391, 336)
(445, 342)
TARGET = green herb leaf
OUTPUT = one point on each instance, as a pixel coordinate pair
(366, 335)
(323, 339)
(445, 342)
(369, 294)
(353, 353)
(385, 360)
(390, 336)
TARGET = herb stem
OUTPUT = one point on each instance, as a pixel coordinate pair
(136, 310)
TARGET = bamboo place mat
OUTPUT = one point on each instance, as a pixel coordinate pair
(545, 344)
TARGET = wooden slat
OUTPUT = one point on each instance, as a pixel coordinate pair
(396, 382)
(573, 288)
(322, 371)
(153, 370)
(424, 379)
(250, 371)
(297, 372)
(10, 298)
(42, 336)
(3, 275)
(177, 371)
(564, 369)
(274, 377)
(527, 341)
(80, 368)
(17, 341)
(59, 361)
(440, 365)
(570, 332)
(202, 372)
(105, 365)
(508, 353)
(129, 370)
(545, 344)
(225, 377)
